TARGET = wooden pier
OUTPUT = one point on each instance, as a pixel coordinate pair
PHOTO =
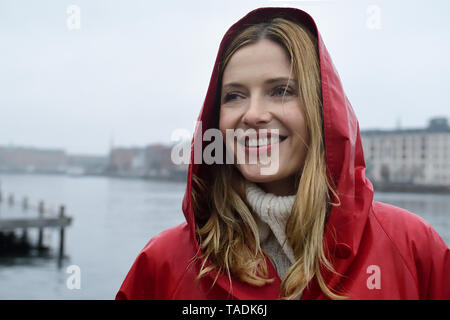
(18, 218)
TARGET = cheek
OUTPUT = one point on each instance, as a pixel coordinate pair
(227, 120)
(222, 123)
(294, 120)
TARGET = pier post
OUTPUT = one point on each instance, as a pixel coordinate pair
(11, 199)
(41, 230)
(25, 231)
(25, 203)
(61, 233)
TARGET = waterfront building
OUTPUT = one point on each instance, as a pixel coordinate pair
(29, 159)
(419, 156)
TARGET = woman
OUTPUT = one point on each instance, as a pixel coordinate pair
(310, 228)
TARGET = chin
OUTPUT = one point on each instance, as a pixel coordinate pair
(253, 173)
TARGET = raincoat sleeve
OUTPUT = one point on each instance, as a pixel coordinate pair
(433, 266)
(146, 279)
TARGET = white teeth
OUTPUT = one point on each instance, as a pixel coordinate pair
(261, 142)
(274, 139)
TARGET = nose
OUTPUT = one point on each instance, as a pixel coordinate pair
(256, 114)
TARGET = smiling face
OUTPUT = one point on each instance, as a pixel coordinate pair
(257, 93)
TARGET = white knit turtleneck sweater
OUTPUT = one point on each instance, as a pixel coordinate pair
(271, 214)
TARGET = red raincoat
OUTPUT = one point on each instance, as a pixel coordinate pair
(383, 252)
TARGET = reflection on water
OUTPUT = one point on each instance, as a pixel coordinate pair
(112, 221)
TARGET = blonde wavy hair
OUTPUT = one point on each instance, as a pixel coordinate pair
(225, 227)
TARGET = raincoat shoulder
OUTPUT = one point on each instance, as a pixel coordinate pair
(159, 266)
(423, 253)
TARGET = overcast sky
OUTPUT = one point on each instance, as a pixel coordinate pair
(137, 70)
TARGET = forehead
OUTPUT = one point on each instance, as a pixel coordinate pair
(257, 62)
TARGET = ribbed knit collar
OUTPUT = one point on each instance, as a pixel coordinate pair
(274, 211)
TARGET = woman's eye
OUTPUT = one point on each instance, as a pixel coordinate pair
(231, 96)
(282, 90)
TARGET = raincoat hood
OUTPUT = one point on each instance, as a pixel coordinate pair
(344, 153)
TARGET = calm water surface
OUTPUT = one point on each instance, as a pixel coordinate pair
(112, 221)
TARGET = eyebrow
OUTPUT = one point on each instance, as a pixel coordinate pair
(269, 81)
